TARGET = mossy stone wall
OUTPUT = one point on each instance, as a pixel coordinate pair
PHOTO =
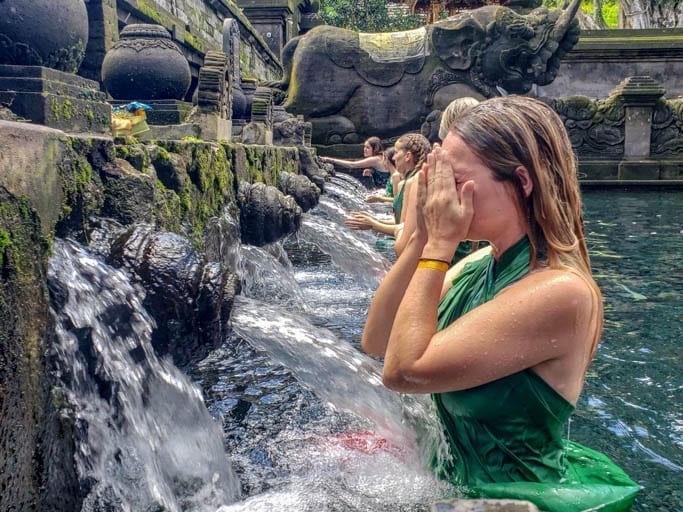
(50, 185)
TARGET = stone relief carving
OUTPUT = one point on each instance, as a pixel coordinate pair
(667, 128)
(595, 128)
(351, 85)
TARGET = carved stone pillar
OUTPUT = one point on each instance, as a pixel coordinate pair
(639, 94)
(214, 97)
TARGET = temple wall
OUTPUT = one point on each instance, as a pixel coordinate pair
(51, 183)
(603, 58)
(196, 25)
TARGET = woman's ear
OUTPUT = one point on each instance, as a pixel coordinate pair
(525, 180)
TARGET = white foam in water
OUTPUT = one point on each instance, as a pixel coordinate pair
(356, 257)
(146, 437)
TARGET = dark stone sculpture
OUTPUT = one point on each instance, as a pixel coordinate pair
(351, 85)
(190, 299)
(145, 64)
(42, 43)
(266, 214)
(304, 192)
(50, 33)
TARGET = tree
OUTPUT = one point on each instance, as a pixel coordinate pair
(596, 14)
(367, 16)
(651, 13)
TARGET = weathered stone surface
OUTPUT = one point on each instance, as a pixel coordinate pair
(128, 193)
(190, 300)
(462, 505)
(51, 33)
(305, 193)
(352, 86)
(25, 147)
(266, 215)
(54, 98)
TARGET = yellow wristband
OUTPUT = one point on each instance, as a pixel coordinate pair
(435, 264)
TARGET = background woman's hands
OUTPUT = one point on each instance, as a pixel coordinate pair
(444, 210)
(359, 220)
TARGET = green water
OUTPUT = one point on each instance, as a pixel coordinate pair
(632, 405)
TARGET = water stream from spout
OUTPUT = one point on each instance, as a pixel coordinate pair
(145, 440)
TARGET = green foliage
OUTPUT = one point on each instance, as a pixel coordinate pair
(366, 16)
(609, 9)
(610, 13)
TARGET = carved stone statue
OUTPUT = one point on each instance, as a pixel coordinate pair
(352, 85)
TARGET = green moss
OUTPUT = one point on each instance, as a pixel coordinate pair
(5, 242)
(149, 11)
(61, 108)
(81, 188)
(194, 42)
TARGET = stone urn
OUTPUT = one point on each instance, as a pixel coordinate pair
(145, 64)
(50, 33)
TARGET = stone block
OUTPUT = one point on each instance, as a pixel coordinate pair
(463, 505)
(213, 127)
(639, 170)
(671, 170)
(54, 98)
(257, 133)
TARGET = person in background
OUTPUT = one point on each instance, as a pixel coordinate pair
(410, 153)
(372, 163)
(387, 195)
(455, 109)
(503, 339)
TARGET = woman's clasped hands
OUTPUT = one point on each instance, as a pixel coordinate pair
(444, 206)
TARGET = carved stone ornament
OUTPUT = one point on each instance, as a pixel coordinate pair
(145, 64)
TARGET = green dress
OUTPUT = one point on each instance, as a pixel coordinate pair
(505, 437)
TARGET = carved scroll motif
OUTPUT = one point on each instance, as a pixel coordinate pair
(667, 128)
(595, 128)
(214, 94)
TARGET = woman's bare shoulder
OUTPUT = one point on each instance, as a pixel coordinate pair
(456, 269)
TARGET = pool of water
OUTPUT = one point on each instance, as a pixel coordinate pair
(632, 405)
(631, 408)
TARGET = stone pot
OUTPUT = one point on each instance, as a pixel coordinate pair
(50, 33)
(145, 64)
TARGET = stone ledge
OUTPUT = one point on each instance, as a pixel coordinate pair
(462, 505)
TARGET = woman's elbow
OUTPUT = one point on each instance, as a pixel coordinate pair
(397, 380)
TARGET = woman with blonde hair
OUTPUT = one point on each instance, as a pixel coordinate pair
(503, 339)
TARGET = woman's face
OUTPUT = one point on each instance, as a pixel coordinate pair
(496, 215)
(403, 160)
(367, 149)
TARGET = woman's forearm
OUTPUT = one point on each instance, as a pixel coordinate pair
(385, 304)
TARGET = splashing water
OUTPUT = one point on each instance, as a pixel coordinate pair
(346, 470)
(145, 440)
(356, 257)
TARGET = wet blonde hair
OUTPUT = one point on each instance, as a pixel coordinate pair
(455, 109)
(513, 131)
(417, 145)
